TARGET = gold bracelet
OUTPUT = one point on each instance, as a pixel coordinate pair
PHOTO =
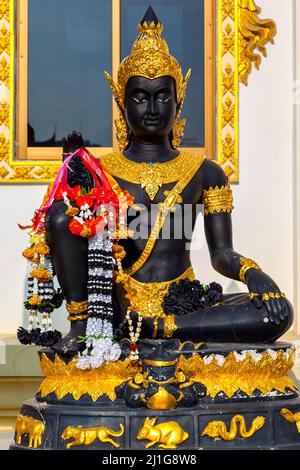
(77, 317)
(170, 326)
(77, 307)
(247, 264)
(272, 295)
(155, 328)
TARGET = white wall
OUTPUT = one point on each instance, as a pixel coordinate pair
(263, 215)
(297, 155)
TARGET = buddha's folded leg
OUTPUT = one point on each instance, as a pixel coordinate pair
(235, 320)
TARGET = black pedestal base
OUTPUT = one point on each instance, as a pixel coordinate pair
(276, 432)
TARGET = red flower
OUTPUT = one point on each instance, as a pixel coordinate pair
(75, 227)
(73, 192)
(96, 224)
(85, 199)
(134, 347)
(58, 193)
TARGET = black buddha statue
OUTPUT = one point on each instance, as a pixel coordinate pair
(158, 280)
(144, 333)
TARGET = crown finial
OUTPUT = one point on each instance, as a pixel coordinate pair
(150, 16)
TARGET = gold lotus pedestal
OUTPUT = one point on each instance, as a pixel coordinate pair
(208, 396)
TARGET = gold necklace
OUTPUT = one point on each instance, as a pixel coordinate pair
(151, 177)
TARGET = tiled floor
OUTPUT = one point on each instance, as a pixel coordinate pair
(7, 424)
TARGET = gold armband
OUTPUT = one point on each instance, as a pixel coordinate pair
(75, 308)
(247, 264)
(218, 199)
(170, 326)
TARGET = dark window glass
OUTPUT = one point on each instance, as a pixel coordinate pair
(183, 22)
(69, 47)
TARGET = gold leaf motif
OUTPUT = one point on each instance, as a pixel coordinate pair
(218, 430)
(4, 39)
(4, 71)
(267, 374)
(4, 9)
(254, 35)
(61, 378)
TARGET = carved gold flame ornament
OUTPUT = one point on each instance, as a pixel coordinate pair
(218, 430)
(291, 417)
(33, 427)
(254, 35)
(168, 435)
(86, 436)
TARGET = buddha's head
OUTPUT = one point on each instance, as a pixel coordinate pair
(150, 90)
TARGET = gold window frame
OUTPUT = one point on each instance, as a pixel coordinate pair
(237, 23)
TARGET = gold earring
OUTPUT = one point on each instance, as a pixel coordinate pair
(179, 124)
(121, 133)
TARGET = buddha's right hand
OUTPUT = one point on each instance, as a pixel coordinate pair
(72, 143)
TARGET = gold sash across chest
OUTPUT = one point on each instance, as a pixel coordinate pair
(147, 298)
(164, 208)
(151, 177)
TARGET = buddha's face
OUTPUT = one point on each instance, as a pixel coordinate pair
(150, 106)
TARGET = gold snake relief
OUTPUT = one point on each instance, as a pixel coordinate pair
(291, 417)
(218, 429)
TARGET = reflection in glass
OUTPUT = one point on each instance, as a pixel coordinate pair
(184, 32)
(69, 47)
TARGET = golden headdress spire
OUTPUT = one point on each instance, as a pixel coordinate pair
(150, 58)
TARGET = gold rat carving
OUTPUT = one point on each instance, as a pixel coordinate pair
(168, 435)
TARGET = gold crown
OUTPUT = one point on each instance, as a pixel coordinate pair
(149, 58)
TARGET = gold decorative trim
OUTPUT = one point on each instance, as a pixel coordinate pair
(61, 378)
(150, 177)
(218, 430)
(254, 35)
(268, 373)
(218, 200)
(246, 264)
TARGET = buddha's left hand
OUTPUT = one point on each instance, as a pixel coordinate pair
(259, 284)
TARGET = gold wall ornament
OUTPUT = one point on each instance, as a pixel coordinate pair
(218, 429)
(254, 35)
(61, 378)
(218, 199)
(291, 417)
(168, 435)
(266, 374)
(33, 427)
(86, 436)
(228, 89)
